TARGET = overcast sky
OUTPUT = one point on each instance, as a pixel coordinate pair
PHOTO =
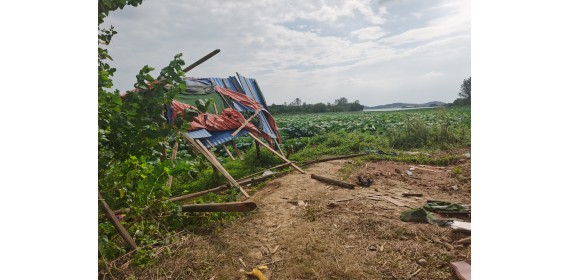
(376, 51)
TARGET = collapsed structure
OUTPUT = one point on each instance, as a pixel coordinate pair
(224, 121)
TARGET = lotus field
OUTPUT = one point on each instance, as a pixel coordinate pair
(437, 128)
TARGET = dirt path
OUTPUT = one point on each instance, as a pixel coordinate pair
(306, 229)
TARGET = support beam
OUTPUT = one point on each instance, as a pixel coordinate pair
(228, 152)
(279, 147)
(120, 229)
(276, 153)
(236, 149)
(200, 147)
(245, 123)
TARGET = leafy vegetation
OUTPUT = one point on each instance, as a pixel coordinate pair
(341, 133)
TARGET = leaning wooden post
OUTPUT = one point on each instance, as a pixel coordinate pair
(257, 140)
(257, 151)
(201, 60)
(122, 231)
(279, 147)
(200, 147)
(236, 149)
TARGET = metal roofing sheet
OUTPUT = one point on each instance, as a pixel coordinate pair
(200, 133)
(220, 137)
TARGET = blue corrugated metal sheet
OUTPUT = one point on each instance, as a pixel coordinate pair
(250, 88)
(220, 137)
(200, 133)
(226, 84)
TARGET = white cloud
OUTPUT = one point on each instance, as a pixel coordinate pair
(317, 63)
(369, 33)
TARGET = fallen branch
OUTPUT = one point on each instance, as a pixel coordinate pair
(412, 194)
(221, 207)
(333, 181)
(122, 231)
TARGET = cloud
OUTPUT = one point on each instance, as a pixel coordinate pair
(315, 50)
(368, 33)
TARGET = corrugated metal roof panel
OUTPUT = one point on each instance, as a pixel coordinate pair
(220, 137)
(200, 133)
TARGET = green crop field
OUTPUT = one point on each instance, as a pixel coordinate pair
(337, 133)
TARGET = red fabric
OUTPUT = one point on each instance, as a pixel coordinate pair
(250, 103)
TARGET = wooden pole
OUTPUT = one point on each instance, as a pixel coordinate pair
(276, 153)
(220, 207)
(228, 152)
(214, 162)
(217, 189)
(245, 123)
(122, 231)
(333, 181)
(201, 60)
(279, 147)
(257, 151)
(236, 149)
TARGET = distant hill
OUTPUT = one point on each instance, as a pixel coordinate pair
(407, 105)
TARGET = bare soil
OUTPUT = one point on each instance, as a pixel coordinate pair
(307, 229)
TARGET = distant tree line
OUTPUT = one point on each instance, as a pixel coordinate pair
(297, 106)
(464, 93)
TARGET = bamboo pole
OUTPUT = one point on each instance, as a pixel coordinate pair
(122, 231)
(228, 152)
(236, 149)
(279, 147)
(333, 181)
(273, 151)
(201, 60)
(214, 162)
(220, 207)
(245, 123)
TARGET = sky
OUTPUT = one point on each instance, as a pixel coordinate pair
(375, 51)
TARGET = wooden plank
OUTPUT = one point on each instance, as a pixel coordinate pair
(219, 189)
(200, 147)
(228, 152)
(221, 207)
(333, 181)
(279, 147)
(201, 60)
(120, 229)
(393, 201)
(245, 123)
(240, 156)
(462, 270)
(276, 153)
(412, 194)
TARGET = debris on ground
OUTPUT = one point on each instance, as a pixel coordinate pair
(458, 225)
(462, 270)
(409, 173)
(333, 181)
(443, 206)
(364, 181)
(256, 272)
(412, 195)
